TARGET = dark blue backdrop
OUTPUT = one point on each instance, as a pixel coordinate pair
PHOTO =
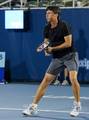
(22, 60)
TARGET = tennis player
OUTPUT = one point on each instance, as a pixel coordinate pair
(58, 33)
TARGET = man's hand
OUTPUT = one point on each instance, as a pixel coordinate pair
(49, 50)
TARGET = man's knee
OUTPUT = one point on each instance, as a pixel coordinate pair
(49, 78)
(73, 76)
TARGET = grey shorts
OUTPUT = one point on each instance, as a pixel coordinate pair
(70, 61)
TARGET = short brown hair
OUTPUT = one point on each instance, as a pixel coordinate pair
(55, 9)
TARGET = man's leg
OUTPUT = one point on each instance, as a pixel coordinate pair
(57, 80)
(76, 93)
(48, 78)
(75, 85)
(32, 110)
(65, 81)
(65, 73)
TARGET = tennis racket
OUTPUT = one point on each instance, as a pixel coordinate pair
(42, 46)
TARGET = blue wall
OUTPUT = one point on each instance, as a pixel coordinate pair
(24, 62)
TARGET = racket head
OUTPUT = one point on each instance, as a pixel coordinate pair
(42, 46)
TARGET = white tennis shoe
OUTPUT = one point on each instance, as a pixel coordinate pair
(31, 110)
(76, 109)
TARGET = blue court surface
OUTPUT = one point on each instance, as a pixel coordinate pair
(55, 105)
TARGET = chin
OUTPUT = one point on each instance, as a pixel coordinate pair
(48, 21)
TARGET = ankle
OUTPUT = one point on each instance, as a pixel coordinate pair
(34, 105)
(78, 103)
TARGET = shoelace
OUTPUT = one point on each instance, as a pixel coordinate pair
(75, 107)
(32, 108)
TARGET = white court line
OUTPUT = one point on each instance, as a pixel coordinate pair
(52, 111)
(11, 109)
(63, 97)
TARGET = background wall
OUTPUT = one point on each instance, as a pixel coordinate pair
(23, 63)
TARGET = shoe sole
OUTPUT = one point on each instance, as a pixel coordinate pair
(73, 115)
(25, 114)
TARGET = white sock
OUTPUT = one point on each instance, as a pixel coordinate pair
(78, 103)
(34, 105)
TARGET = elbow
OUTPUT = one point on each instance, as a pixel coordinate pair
(68, 40)
(69, 44)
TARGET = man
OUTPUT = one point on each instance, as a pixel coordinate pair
(61, 47)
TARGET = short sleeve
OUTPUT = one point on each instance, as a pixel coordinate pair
(66, 29)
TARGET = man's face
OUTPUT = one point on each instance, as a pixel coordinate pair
(50, 15)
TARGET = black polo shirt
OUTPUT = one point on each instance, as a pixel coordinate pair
(56, 37)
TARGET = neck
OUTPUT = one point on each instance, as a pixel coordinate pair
(54, 23)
